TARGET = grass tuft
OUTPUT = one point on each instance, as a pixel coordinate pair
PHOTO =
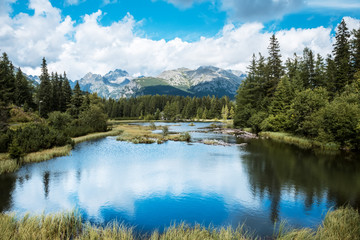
(301, 142)
(340, 224)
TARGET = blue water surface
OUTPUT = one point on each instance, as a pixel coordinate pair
(151, 186)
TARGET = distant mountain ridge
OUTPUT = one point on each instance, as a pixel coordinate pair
(206, 80)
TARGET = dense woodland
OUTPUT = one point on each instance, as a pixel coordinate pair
(171, 108)
(307, 96)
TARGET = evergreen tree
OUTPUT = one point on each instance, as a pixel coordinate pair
(342, 57)
(22, 90)
(282, 97)
(355, 44)
(274, 65)
(66, 94)
(56, 90)
(319, 77)
(7, 80)
(76, 101)
(308, 69)
(330, 75)
(45, 96)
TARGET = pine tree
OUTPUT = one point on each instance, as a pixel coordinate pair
(55, 82)
(66, 94)
(282, 97)
(330, 75)
(308, 69)
(45, 91)
(355, 45)
(319, 77)
(7, 80)
(342, 57)
(22, 90)
(76, 101)
(274, 65)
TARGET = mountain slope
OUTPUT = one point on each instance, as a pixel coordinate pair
(206, 80)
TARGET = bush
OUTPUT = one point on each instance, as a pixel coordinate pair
(165, 130)
(35, 136)
(95, 118)
(5, 140)
(59, 120)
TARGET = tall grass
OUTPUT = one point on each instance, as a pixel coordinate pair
(341, 224)
(6, 164)
(93, 136)
(301, 142)
(47, 154)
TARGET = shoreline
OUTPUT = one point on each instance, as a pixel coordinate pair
(342, 223)
(9, 165)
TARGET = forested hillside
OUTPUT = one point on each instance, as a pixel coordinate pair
(35, 118)
(307, 96)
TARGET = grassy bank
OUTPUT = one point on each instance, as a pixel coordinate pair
(301, 142)
(143, 134)
(8, 165)
(342, 224)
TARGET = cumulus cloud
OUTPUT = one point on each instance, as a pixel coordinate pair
(89, 46)
(352, 23)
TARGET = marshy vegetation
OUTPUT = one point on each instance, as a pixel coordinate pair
(342, 224)
(143, 134)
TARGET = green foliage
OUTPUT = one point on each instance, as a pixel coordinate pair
(15, 151)
(7, 80)
(94, 118)
(45, 92)
(310, 99)
(59, 120)
(165, 130)
(5, 140)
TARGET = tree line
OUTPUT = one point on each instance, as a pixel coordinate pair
(170, 108)
(307, 96)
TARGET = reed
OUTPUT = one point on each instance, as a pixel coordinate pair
(7, 164)
(343, 223)
(47, 154)
(93, 136)
(301, 142)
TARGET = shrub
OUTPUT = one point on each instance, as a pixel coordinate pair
(165, 130)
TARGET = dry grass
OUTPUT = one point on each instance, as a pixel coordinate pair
(92, 136)
(47, 154)
(7, 164)
(301, 142)
(341, 224)
(143, 134)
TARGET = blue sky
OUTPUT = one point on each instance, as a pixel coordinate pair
(149, 36)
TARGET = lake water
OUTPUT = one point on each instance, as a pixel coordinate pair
(151, 186)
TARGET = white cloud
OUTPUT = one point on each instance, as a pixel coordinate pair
(88, 46)
(352, 23)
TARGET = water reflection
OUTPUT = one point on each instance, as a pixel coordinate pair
(150, 186)
(278, 170)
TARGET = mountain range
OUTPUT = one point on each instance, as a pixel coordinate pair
(206, 80)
